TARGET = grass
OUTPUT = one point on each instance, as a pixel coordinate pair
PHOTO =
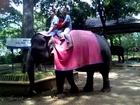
(18, 75)
(115, 57)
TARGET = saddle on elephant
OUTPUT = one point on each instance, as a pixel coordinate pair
(85, 51)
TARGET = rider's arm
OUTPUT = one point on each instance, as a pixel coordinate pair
(55, 22)
(52, 28)
(65, 21)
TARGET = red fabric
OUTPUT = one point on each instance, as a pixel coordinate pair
(59, 25)
(85, 51)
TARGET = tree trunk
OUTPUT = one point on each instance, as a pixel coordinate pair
(102, 16)
(28, 21)
(28, 18)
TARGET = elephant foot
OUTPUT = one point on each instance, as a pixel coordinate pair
(62, 95)
(59, 92)
(59, 95)
(32, 93)
(88, 89)
(106, 89)
(74, 90)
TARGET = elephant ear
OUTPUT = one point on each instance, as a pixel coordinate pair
(51, 44)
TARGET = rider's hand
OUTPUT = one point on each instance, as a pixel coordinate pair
(48, 32)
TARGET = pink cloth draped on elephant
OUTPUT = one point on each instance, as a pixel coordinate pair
(85, 51)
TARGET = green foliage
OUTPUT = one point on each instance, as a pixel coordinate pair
(17, 73)
(115, 9)
(7, 59)
(138, 40)
(79, 11)
(10, 32)
(10, 19)
(40, 21)
(128, 41)
(2, 59)
(10, 24)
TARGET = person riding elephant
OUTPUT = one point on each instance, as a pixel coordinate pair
(54, 22)
(67, 25)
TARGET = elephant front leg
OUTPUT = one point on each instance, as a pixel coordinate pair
(60, 78)
(70, 78)
(89, 83)
(30, 70)
(31, 80)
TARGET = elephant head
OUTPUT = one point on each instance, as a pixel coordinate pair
(40, 52)
(41, 47)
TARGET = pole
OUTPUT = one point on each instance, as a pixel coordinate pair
(12, 60)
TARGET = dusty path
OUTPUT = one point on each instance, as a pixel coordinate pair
(125, 83)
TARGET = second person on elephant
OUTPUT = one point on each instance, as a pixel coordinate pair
(67, 25)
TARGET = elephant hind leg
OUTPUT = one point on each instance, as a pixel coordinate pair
(122, 58)
(119, 59)
(89, 83)
(105, 75)
(106, 83)
(60, 79)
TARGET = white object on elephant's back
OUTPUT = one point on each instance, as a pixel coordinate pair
(44, 33)
(18, 42)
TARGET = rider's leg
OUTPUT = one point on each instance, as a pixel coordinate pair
(53, 33)
(66, 34)
(59, 34)
(68, 38)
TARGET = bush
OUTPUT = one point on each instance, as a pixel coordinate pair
(7, 59)
(2, 59)
(38, 75)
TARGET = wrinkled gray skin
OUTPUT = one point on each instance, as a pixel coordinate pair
(40, 52)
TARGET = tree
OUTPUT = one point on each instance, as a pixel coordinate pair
(28, 19)
(39, 21)
(115, 9)
(79, 11)
(10, 21)
(4, 6)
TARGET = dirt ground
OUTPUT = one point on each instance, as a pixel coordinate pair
(125, 85)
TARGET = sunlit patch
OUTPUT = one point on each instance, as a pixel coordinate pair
(113, 75)
(30, 102)
(114, 94)
(97, 75)
(85, 97)
(62, 101)
(120, 97)
(135, 88)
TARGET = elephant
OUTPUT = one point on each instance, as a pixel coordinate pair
(41, 51)
(119, 51)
